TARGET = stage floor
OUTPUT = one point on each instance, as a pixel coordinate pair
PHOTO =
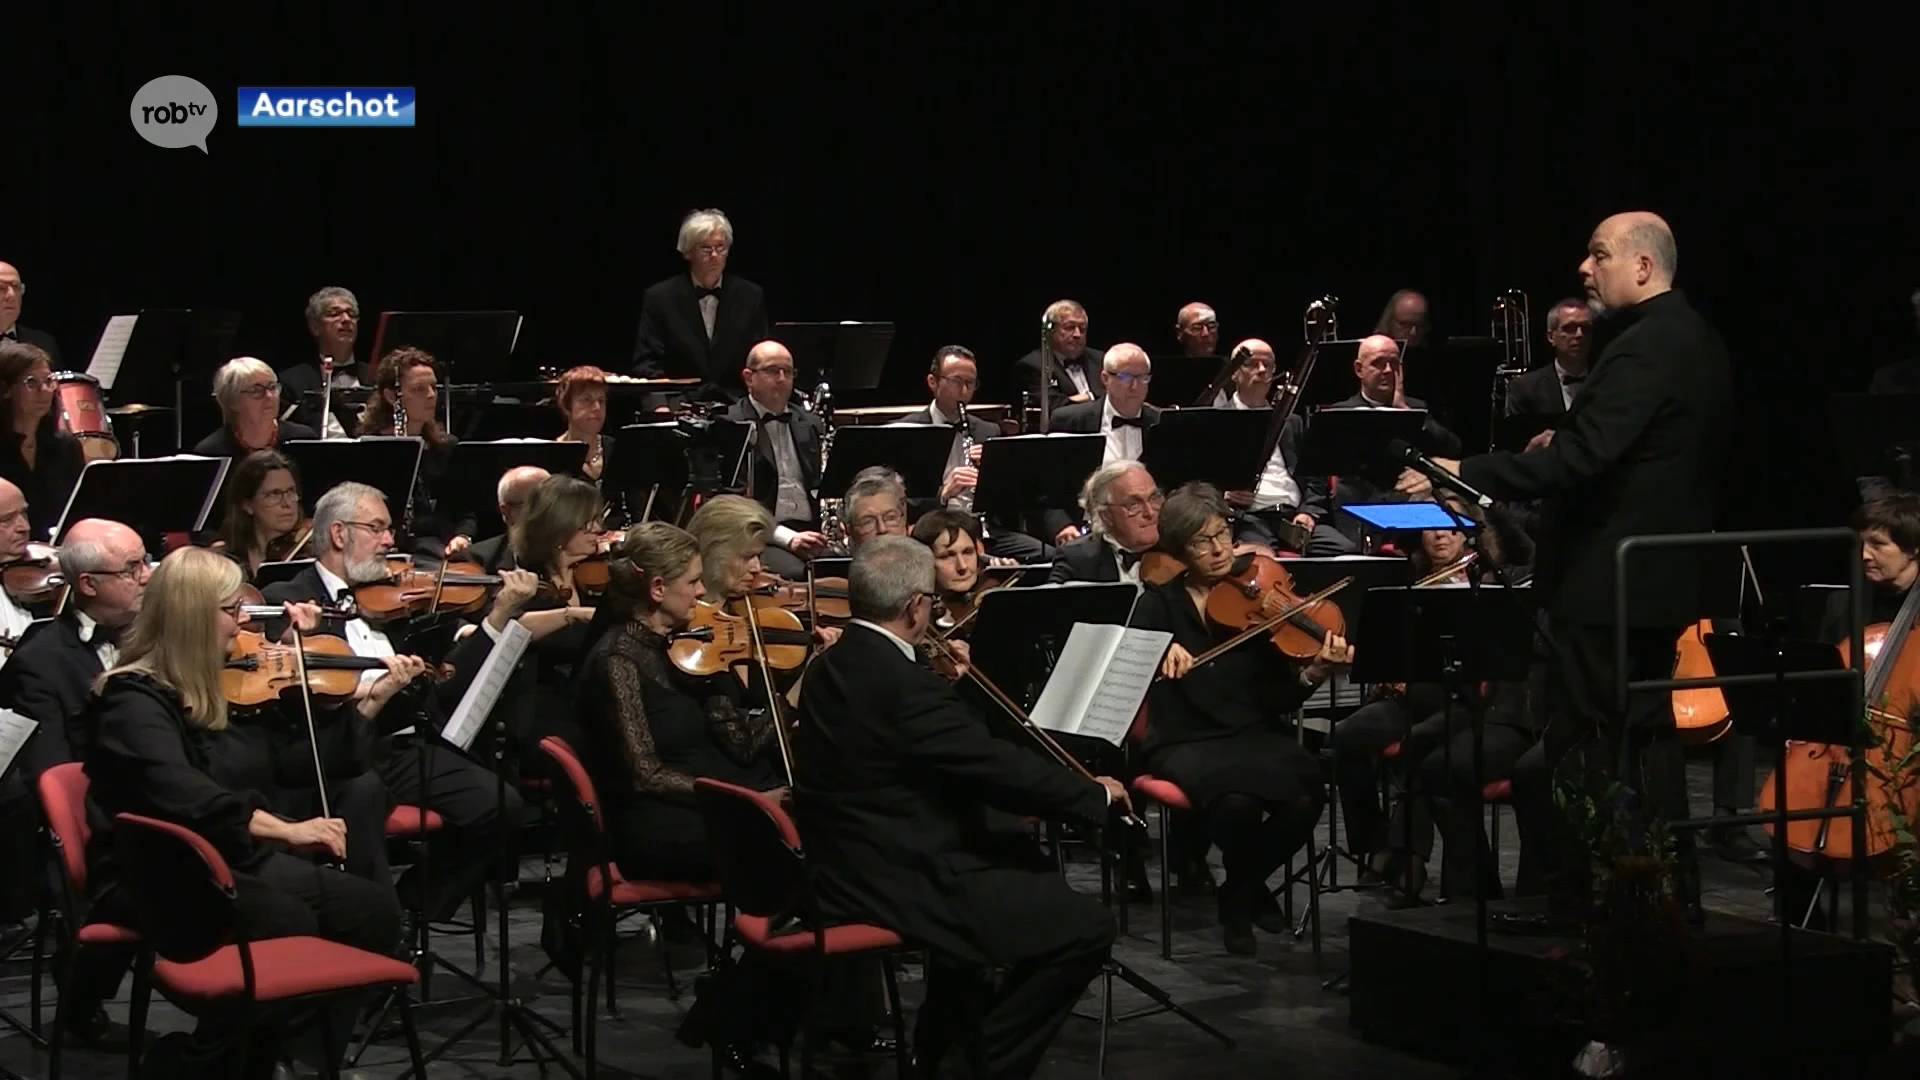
(1286, 1025)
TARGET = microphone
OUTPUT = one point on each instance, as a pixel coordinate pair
(1410, 455)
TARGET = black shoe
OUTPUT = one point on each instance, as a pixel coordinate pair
(1739, 846)
(1267, 913)
(863, 1040)
(164, 1059)
(740, 1061)
(1235, 905)
(1405, 877)
(1196, 879)
(1139, 889)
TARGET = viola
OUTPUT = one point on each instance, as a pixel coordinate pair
(714, 640)
(770, 590)
(457, 587)
(256, 607)
(257, 670)
(1262, 591)
(297, 544)
(34, 580)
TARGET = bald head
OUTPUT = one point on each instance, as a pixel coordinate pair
(769, 375)
(1377, 365)
(1197, 329)
(1253, 374)
(96, 555)
(14, 526)
(11, 290)
(1631, 257)
(515, 488)
(1124, 373)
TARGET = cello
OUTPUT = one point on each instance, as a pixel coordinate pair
(1817, 773)
(1701, 713)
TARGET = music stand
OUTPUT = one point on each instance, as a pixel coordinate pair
(1407, 516)
(388, 463)
(1878, 435)
(149, 358)
(478, 343)
(164, 495)
(1310, 575)
(1223, 447)
(650, 458)
(848, 355)
(1020, 474)
(473, 473)
(1353, 441)
(918, 452)
(1331, 379)
(1179, 380)
(273, 573)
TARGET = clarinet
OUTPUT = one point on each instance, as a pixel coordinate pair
(964, 500)
(400, 428)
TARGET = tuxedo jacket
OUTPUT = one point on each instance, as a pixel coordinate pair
(48, 680)
(808, 431)
(1089, 558)
(895, 785)
(493, 554)
(1026, 372)
(296, 381)
(1640, 453)
(1083, 418)
(982, 431)
(672, 341)
(1537, 393)
(42, 340)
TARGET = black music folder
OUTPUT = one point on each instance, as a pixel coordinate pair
(1353, 440)
(849, 355)
(473, 476)
(157, 495)
(476, 344)
(918, 452)
(1485, 631)
(1222, 447)
(647, 456)
(1020, 473)
(388, 463)
(1180, 380)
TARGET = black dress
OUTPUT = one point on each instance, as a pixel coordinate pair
(650, 730)
(49, 482)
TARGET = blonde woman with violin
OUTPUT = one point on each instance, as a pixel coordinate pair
(156, 721)
(263, 521)
(1217, 729)
(733, 531)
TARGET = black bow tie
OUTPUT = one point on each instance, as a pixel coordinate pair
(776, 418)
(343, 595)
(1130, 421)
(103, 635)
(11, 333)
(701, 292)
(1572, 380)
(1128, 559)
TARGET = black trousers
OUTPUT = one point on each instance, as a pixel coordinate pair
(1447, 778)
(1733, 766)
(1052, 941)
(479, 825)
(1587, 735)
(1358, 740)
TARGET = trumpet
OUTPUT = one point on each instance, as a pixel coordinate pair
(1512, 327)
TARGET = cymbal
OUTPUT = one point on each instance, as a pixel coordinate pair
(138, 410)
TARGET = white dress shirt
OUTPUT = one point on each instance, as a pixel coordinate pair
(905, 647)
(956, 457)
(710, 307)
(13, 622)
(1123, 443)
(789, 496)
(1277, 486)
(107, 651)
(1127, 573)
(1566, 392)
(361, 636)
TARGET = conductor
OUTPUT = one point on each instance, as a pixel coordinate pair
(1636, 455)
(896, 789)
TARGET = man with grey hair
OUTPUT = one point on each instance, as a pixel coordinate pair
(899, 786)
(333, 319)
(1548, 390)
(1122, 506)
(516, 485)
(1641, 453)
(13, 293)
(875, 506)
(1404, 318)
(700, 324)
(1076, 368)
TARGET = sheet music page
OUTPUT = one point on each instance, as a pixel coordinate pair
(477, 703)
(1076, 675)
(14, 732)
(1118, 694)
(105, 365)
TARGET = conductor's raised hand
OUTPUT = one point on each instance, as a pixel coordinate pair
(1413, 482)
(1176, 663)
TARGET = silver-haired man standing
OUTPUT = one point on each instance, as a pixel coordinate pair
(700, 324)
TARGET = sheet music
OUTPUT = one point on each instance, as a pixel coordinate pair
(477, 703)
(1100, 680)
(14, 732)
(105, 365)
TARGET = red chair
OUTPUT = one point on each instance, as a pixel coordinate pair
(764, 871)
(611, 897)
(63, 799)
(205, 963)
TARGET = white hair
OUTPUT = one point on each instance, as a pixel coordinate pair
(1096, 493)
(697, 226)
(886, 574)
(339, 504)
(1121, 353)
(1060, 309)
(233, 377)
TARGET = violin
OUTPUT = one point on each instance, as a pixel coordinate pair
(297, 544)
(457, 587)
(590, 575)
(257, 670)
(770, 590)
(34, 580)
(715, 640)
(1260, 597)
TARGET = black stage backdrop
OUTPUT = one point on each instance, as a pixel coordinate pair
(954, 167)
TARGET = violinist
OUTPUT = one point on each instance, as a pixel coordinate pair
(352, 533)
(648, 731)
(581, 397)
(157, 716)
(954, 539)
(733, 531)
(1216, 730)
(263, 513)
(1122, 505)
(516, 486)
(248, 392)
(405, 383)
(896, 789)
(556, 533)
(14, 532)
(38, 458)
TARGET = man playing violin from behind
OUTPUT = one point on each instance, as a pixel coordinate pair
(352, 534)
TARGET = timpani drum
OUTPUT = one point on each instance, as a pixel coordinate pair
(84, 416)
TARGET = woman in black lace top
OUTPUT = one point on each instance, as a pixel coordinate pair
(651, 729)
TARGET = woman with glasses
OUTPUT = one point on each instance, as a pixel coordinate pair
(41, 460)
(405, 383)
(1218, 730)
(248, 392)
(263, 512)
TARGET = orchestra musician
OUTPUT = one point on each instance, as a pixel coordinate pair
(516, 486)
(36, 457)
(953, 378)
(581, 396)
(1196, 329)
(1076, 369)
(1280, 490)
(557, 533)
(405, 379)
(786, 457)
(1548, 390)
(700, 324)
(263, 512)
(876, 505)
(954, 539)
(1120, 413)
(1639, 454)
(13, 290)
(333, 318)
(1122, 505)
(1404, 319)
(14, 516)
(1379, 368)
(898, 792)
(248, 393)
(156, 718)
(1216, 730)
(352, 533)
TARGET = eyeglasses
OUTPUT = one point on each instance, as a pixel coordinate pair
(260, 390)
(235, 611)
(711, 250)
(964, 382)
(1218, 538)
(36, 383)
(782, 371)
(1137, 506)
(279, 494)
(13, 287)
(1198, 325)
(877, 522)
(377, 528)
(1128, 379)
(134, 570)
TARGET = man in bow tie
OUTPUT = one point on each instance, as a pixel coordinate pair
(1548, 390)
(701, 324)
(785, 469)
(13, 291)
(1121, 413)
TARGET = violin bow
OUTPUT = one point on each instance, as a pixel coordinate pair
(313, 740)
(1258, 629)
(773, 693)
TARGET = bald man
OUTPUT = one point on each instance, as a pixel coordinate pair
(1120, 413)
(786, 458)
(1197, 330)
(1639, 453)
(1282, 494)
(516, 485)
(13, 292)
(1382, 382)
(15, 528)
